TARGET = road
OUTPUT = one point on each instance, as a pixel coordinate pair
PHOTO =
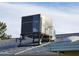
(39, 50)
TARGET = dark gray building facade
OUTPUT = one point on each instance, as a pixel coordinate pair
(31, 26)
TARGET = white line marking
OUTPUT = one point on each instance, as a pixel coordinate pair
(30, 49)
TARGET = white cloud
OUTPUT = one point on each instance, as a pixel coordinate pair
(65, 19)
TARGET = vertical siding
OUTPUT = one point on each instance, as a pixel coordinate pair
(27, 25)
(43, 23)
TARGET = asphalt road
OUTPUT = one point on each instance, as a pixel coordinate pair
(27, 49)
(41, 50)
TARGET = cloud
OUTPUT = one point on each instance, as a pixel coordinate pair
(12, 13)
(65, 19)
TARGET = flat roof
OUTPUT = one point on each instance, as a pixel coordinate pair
(65, 46)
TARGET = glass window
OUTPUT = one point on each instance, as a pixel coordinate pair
(36, 23)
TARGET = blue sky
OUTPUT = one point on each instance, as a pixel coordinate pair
(65, 15)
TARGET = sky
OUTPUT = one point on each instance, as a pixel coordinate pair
(65, 15)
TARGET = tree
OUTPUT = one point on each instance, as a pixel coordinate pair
(3, 28)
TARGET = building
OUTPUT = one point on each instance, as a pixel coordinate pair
(36, 27)
(66, 44)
